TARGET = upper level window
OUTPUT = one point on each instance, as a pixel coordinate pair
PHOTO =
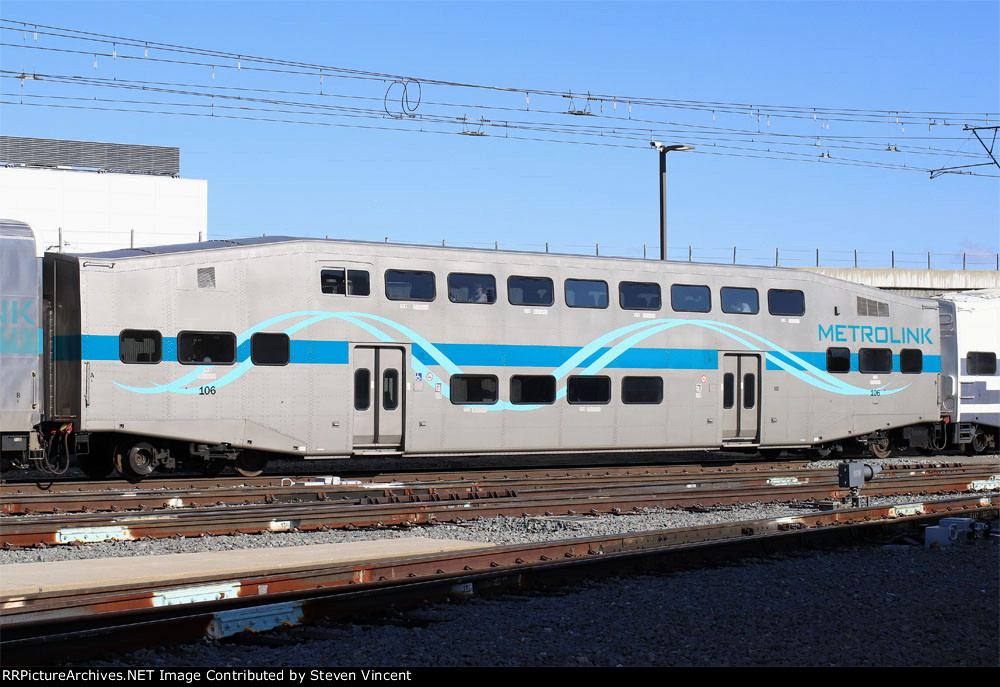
(472, 288)
(979, 363)
(786, 302)
(737, 300)
(530, 291)
(269, 349)
(875, 360)
(140, 346)
(688, 298)
(634, 295)
(345, 282)
(585, 293)
(406, 285)
(199, 348)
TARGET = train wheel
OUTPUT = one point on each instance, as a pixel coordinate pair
(880, 448)
(977, 445)
(136, 461)
(251, 463)
(818, 452)
(769, 453)
(211, 468)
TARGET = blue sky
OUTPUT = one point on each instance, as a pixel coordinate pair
(280, 178)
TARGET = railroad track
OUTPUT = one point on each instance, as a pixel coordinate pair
(195, 510)
(88, 620)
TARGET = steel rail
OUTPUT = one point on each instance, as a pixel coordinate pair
(50, 530)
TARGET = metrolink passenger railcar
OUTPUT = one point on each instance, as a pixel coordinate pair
(234, 351)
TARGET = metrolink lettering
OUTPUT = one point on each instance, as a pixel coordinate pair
(857, 333)
(13, 313)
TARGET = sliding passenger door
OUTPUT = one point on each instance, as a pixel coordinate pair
(740, 397)
(377, 387)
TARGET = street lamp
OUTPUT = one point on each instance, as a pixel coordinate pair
(663, 150)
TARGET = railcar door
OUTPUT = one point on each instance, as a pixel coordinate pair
(740, 397)
(378, 397)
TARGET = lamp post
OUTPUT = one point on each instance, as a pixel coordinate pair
(663, 150)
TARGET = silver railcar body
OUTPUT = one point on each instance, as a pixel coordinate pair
(737, 378)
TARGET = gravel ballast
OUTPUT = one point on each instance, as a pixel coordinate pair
(897, 605)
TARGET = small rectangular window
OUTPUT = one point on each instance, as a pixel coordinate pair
(358, 283)
(588, 390)
(269, 349)
(472, 288)
(749, 390)
(838, 360)
(200, 348)
(875, 360)
(474, 389)
(642, 390)
(140, 346)
(530, 291)
(689, 298)
(786, 302)
(390, 389)
(525, 389)
(362, 389)
(404, 285)
(738, 300)
(980, 363)
(586, 293)
(634, 295)
(911, 361)
(728, 390)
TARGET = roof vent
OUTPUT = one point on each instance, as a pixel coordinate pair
(206, 277)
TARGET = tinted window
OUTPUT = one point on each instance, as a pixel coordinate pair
(198, 348)
(474, 389)
(728, 390)
(634, 295)
(642, 390)
(472, 288)
(981, 363)
(269, 349)
(532, 389)
(735, 300)
(585, 389)
(530, 291)
(358, 283)
(140, 346)
(685, 298)
(749, 390)
(785, 302)
(838, 360)
(401, 285)
(911, 361)
(362, 389)
(584, 293)
(390, 389)
(874, 360)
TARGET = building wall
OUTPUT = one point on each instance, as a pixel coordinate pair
(99, 211)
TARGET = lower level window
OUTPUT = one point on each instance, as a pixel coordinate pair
(474, 389)
(911, 361)
(532, 389)
(269, 349)
(142, 346)
(875, 360)
(588, 390)
(642, 390)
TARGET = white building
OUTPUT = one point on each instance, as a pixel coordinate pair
(88, 197)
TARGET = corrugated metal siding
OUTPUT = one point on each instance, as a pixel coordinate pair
(107, 157)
